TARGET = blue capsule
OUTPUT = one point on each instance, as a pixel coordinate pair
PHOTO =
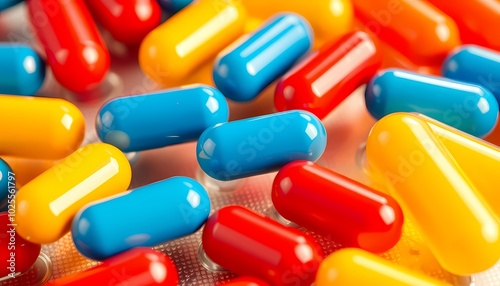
(4, 4)
(173, 6)
(148, 216)
(242, 72)
(470, 108)
(160, 119)
(261, 144)
(22, 71)
(7, 184)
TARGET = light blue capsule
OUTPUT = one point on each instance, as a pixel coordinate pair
(241, 72)
(261, 144)
(22, 71)
(7, 182)
(173, 6)
(148, 216)
(160, 119)
(470, 108)
(4, 4)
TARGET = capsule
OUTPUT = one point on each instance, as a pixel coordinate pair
(22, 71)
(171, 117)
(138, 266)
(7, 183)
(325, 78)
(245, 281)
(470, 108)
(260, 145)
(244, 70)
(348, 212)
(191, 37)
(39, 128)
(432, 187)
(5, 4)
(174, 6)
(264, 248)
(74, 48)
(351, 266)
(47, 204)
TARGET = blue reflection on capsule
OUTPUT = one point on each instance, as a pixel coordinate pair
(148, 216)
(470, 108)
(261, 144)
(173, 6)
(22, 71)
(6, 180)
(242, 72)
(164, 118)
(4, 4)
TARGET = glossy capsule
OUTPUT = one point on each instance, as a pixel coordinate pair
(4, 4)
(73, 46)
(430, 185)
(348, 212)
(7, 183)
(138, 266)
(93, 172)
(174, 6)
(324, 79)
(39, 128)
(245, 281)
(243, 71)
(264, 248)
(191, 37)
(22, 71)
(351, 266)
(470, 108)
(261, 144)
(169, 209)
(172, 116)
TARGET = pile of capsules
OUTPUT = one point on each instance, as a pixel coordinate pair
(433, 97)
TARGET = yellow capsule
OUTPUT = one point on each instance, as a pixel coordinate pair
(39, 128)
(432, 185)
(190, 38)
(352, 266)
(46, 205)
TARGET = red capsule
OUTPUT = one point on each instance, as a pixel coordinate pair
(74, 48)
(328, 76)
(128, 21)
(138, 266)
(245, 281)
(329, 203)
(248, 243)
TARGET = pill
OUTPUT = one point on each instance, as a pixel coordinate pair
(7, 183)
(138, 266)
(416, 29)
(121, 122)
(46, 205)
(351, 266)
(39, 128)
(74, 48)
(260, 144)
(346, 211)
(426, 180)
(191, 37)
(245, 281)
(243, 71)
(264, 248)
(174, 6)
(4, 4)
(22, 71)
(468, 107)
(325, 78)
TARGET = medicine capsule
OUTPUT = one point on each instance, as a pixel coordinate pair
(324, 79)
(172, 116)
(174, 6)
(351, 266)
(348, 212)
(74, 48)
(4, 4)
(7, 182)
(39, 128)
(138, 266)
(178, 47)
(260, 145)
(258, 246)
(245, 281)
(93, 172)
(430, 185)
(22, 71)
(470, 108)
(243, 71)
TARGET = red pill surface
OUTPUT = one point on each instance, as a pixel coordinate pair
(74, 48)
(329, 75)
(245, 281)
(248, 243)
(138, 266)
(326, 202)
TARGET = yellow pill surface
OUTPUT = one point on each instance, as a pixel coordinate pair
(39, 128)
(431, 186)
(46, 205)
